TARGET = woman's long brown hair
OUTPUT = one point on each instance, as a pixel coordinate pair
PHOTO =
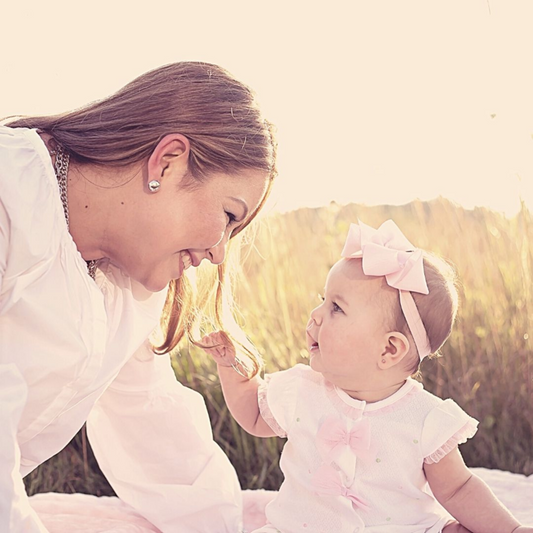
(218, 114)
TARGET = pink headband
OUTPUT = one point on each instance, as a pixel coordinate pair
(387, 252)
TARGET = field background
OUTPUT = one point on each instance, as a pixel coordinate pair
(487, 365)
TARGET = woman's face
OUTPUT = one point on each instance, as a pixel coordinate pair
(180, 225)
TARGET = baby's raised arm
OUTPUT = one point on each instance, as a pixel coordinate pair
(468, 499)
(240, 392)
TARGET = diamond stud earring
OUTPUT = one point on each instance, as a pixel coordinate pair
(154, 185)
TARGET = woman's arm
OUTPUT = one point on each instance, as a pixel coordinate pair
(240, 392)
(4, 241)
(16, 514)
(467, 498)
(153, 441)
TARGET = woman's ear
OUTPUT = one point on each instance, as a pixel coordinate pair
(170, 154)
(395, 349)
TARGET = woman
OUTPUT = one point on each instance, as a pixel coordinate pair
(102, 209)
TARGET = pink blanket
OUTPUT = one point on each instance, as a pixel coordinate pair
(62, 513)
(83, 513)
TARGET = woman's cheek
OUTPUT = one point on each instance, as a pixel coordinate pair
(217, 235)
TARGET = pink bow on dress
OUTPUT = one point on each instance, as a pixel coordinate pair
(333, 436)
(387, 252)
(328, 481)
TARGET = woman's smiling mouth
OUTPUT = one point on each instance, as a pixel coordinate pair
(186, 259)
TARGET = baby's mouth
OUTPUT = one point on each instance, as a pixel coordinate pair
(311, 342)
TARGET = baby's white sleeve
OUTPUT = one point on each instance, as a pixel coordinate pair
(277, 397)
(445, 427)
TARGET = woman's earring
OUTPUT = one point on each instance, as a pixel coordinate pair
(383, 361)
(154, 185)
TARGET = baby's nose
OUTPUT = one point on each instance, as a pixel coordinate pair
(315, 318)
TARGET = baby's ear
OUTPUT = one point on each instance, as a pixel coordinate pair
(395, 348)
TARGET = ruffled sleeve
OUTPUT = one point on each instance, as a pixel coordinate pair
(153, 441)
(445, 427)
(277, 397)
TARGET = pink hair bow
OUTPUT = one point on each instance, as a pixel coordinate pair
(334, 436)
(327, 480)
(387, 252)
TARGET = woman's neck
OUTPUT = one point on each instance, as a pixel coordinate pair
(95, 196)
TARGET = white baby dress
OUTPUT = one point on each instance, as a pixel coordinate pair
(352, 466)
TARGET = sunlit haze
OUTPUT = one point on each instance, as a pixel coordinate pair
(374, 102)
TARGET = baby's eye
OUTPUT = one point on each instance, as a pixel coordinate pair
(320, 297)
(336, 308)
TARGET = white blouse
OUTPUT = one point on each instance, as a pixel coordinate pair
(75, 350)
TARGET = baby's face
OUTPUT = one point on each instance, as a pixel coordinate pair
(347, 332)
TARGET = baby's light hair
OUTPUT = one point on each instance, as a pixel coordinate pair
(437, 309)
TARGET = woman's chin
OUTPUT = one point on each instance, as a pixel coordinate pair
(156, 280)
(154, 284)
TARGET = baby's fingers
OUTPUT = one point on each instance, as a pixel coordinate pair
(210, 339)
(219, 347)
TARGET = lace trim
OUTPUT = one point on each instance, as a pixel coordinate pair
(265, 411)
(356, 412)
(465, 433)
(396, 405)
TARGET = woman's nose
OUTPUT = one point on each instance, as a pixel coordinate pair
(216, 254)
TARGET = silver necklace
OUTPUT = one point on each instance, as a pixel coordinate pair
(61, 168)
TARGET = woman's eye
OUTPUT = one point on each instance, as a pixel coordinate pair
(231, 217)
(320, 297)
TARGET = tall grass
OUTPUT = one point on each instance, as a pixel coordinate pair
(486, 367)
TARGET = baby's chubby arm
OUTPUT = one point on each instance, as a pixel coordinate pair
(467, 498)
(240, 393)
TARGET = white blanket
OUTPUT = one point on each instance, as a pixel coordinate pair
(62, 513)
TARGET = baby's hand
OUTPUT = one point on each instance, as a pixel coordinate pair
(219, 346)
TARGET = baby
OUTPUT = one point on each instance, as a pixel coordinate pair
(368, 449)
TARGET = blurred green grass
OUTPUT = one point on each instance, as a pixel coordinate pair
(486, 365)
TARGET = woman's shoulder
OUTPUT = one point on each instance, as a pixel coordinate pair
(29, 196)
(21, 142)
(26, 172)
